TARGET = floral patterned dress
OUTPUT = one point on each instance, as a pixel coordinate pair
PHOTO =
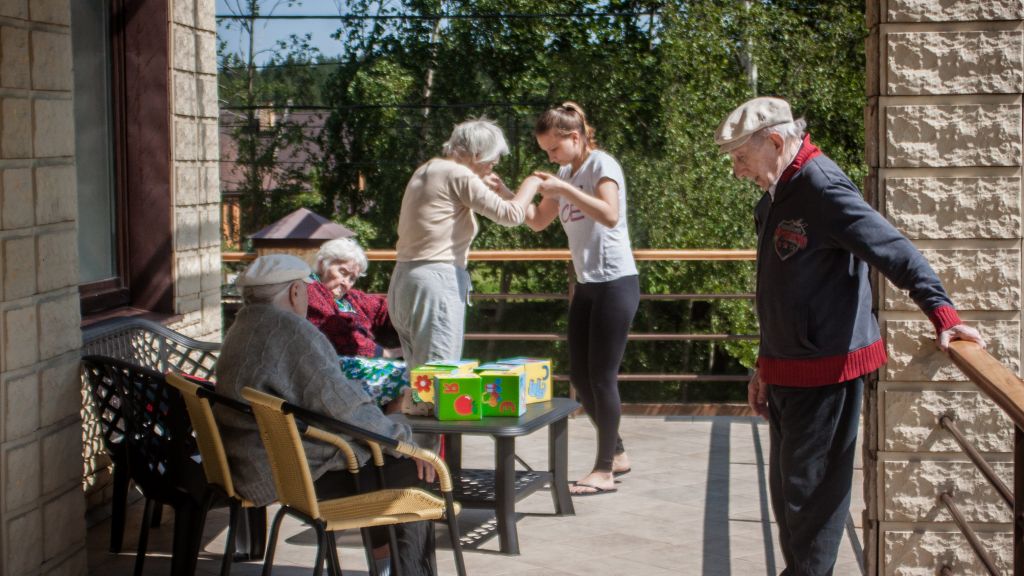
(352, 323)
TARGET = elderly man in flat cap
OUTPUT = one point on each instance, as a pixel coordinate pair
(816, 238)
(273, 348)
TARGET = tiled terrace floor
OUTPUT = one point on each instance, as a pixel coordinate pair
(695, 503)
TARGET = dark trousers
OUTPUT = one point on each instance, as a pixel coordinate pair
(813, 443)
(415, 552)
(599, 318)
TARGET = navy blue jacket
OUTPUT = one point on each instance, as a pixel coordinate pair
(816, 241)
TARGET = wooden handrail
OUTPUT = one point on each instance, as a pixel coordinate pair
(547, 255)
(997, 381)
(1006, 389)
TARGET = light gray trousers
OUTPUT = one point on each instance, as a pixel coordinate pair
(427, 304)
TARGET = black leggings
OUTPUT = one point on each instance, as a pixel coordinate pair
(415, 552)
(599, 318)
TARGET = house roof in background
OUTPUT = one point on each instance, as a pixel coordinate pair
(303, 224)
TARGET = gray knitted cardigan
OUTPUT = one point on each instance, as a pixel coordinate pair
(281, 353)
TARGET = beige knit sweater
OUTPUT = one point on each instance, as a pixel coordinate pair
(437, 223)
(281, 353)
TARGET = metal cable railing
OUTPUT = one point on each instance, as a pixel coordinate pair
(719, 255)
(1006, 389)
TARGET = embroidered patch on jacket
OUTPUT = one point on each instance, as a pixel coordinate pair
(790, 237)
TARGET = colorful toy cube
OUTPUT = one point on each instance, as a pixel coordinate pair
(413, 407)
(459, 366)
(421, 381)
(538, 377)
(491, 366)
(458, 396)
(504, 389)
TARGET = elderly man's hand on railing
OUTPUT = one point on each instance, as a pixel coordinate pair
(960, 332)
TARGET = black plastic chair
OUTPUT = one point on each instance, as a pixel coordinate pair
(107, 407)
(161, 455)
(150, 345)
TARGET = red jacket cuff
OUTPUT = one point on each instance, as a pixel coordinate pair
(944, 318)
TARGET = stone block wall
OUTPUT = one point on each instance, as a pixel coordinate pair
(196, 154)
(42, 525)
(944, 146)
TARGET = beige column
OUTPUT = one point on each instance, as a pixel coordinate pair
(42, 526)
(194, 114)
(943, 126)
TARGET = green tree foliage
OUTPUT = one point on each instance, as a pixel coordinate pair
(655, 77)
(261, 121)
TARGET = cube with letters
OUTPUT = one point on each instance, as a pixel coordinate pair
(460, 366)
(420, 400)
(538, 377)
(458, 396)
(504, 389)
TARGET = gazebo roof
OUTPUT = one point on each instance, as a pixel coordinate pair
(303, 224)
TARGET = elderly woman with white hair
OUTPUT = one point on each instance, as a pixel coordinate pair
(430, 285)
(356, 323)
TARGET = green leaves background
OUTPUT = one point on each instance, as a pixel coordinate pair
(656, 78)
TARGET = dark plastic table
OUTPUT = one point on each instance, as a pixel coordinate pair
(501, 488)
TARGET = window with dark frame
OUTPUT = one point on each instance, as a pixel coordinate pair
(101, 270)
(123, 155)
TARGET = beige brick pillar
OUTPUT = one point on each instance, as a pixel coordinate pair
(943, 126)
(196, 154)
(42, 526)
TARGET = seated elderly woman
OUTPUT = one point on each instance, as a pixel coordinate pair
(355, 322)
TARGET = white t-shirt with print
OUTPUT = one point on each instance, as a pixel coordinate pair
(599, 253)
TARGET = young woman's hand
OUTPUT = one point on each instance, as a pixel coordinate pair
(551, 186)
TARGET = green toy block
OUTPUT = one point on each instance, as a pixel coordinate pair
(538, 377)
(458, 397)
(460, 366)
(490, 366)
(504, 390)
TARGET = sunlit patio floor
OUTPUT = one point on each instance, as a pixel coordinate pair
(695, 503)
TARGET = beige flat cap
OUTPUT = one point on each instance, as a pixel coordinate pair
(274, 269)
(751, 116)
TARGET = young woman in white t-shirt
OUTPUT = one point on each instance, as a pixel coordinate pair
(588, 195)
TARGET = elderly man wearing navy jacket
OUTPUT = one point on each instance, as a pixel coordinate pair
(816, 238)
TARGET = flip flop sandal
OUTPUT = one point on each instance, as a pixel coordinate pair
(596, 490)
(621, 472)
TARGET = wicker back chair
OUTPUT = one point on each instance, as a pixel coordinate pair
(199, 400)
(280, 423)
(146, 344)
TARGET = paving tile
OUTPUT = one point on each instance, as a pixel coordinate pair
(692, 505)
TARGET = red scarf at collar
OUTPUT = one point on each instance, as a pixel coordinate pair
(806, 153)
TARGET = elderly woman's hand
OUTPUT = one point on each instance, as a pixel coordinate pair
(495, 183)
(391, 353)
